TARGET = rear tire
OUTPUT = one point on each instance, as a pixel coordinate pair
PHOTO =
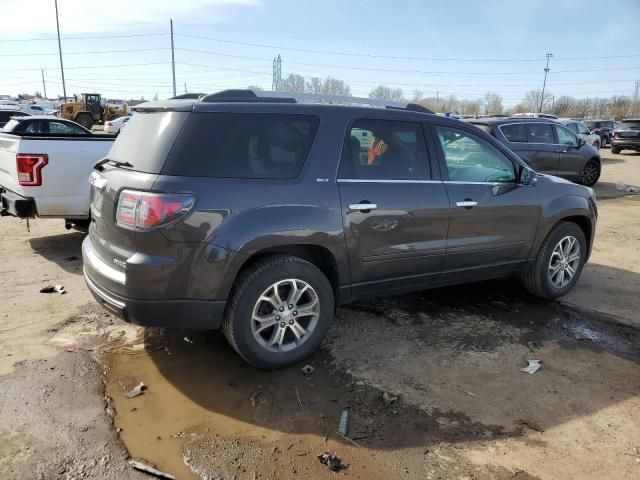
(539, 278)
(604, 142)
(590, 173)
(615, 149)
(271, 333)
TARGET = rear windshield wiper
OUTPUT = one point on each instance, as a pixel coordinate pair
(99, 166)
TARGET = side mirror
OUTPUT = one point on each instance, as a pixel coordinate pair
(581, 142)
(526, 176)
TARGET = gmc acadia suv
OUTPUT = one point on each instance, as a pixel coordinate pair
(259, 215)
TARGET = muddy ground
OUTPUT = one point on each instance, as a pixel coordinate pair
(431, 380)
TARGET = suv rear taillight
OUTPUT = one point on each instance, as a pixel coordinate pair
(147, 210)
(30, 167)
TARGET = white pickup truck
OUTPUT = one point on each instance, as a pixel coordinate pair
(45, 163)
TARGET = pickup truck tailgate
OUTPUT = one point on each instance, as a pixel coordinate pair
(64, 191)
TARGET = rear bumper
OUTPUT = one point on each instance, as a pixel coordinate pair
(16, 205)
(169, 313)
(628, 143)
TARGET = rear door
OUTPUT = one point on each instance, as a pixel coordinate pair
(395, 208)
(493, 219)
(541, 151)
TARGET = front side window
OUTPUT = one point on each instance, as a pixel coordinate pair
(514, 132)
(470, 158)
(582, 129)
(540, 133)
(241, 145)
(565, 137)
(384, 150)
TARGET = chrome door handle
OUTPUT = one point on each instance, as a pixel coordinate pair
(363, 207)
(467, 204)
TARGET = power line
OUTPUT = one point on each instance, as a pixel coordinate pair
(91, 66)
(48, 39)
(83, 53)
(370, 55)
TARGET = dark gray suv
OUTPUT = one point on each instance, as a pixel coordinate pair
(260, 215)
(547, 146)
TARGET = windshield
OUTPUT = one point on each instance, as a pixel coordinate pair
(10, 125)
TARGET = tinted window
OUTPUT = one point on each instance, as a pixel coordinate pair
(565, 137)
(66, 129)
(539, 133)
(469, 158)
(629, 124)
(515, 132)
(147, 140)
(384, 150)
(241, 145)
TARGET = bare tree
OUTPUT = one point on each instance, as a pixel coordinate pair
(333, 86)
(532, 100)
(382, 92)
(492, 104)
(255, 88)
(294, 83)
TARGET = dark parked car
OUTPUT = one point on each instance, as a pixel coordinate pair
(261, 215)
(604, 128)
(45, 125)
(547, 147)
(626, 136)
(5, 116)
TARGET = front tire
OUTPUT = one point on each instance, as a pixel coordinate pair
(615, 149)
(559, 262)
(279, 312)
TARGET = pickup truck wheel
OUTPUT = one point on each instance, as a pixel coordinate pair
(279, 312)
(559, 262)
(590, 173)
(615, 149)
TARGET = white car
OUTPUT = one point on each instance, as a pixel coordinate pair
(115, 125)
(582, 131)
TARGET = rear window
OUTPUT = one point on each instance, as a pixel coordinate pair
(147, 140)
(242, 145)
(515, 132)
(629, 124)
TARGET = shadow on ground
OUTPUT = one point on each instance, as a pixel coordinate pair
(64, 249)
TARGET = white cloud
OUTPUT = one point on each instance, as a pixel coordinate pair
(38, 16)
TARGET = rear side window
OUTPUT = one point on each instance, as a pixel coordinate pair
(384, 150)
(540, 133)
(147, 140)
(242, 145)
(515, 132)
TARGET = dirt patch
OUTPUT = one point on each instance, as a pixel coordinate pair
(431, 383)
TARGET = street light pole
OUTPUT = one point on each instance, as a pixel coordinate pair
(546, 71)
(64, 88)
(173, 59)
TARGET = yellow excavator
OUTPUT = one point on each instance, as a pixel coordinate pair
(89, 110)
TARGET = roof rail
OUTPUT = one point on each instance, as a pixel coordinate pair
(292, 97)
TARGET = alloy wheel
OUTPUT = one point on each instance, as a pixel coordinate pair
(285, 315)
(564, 262)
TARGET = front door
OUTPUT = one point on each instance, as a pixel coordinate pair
(493, 219)
(395, 214)
(571, 160)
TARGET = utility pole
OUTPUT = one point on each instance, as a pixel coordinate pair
(44, 85)
(64, 88)
(546, 71)
(437, 99)
(185, 87)
(634, 101)
(173, 58)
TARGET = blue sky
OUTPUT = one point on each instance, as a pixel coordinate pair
(463, 48)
